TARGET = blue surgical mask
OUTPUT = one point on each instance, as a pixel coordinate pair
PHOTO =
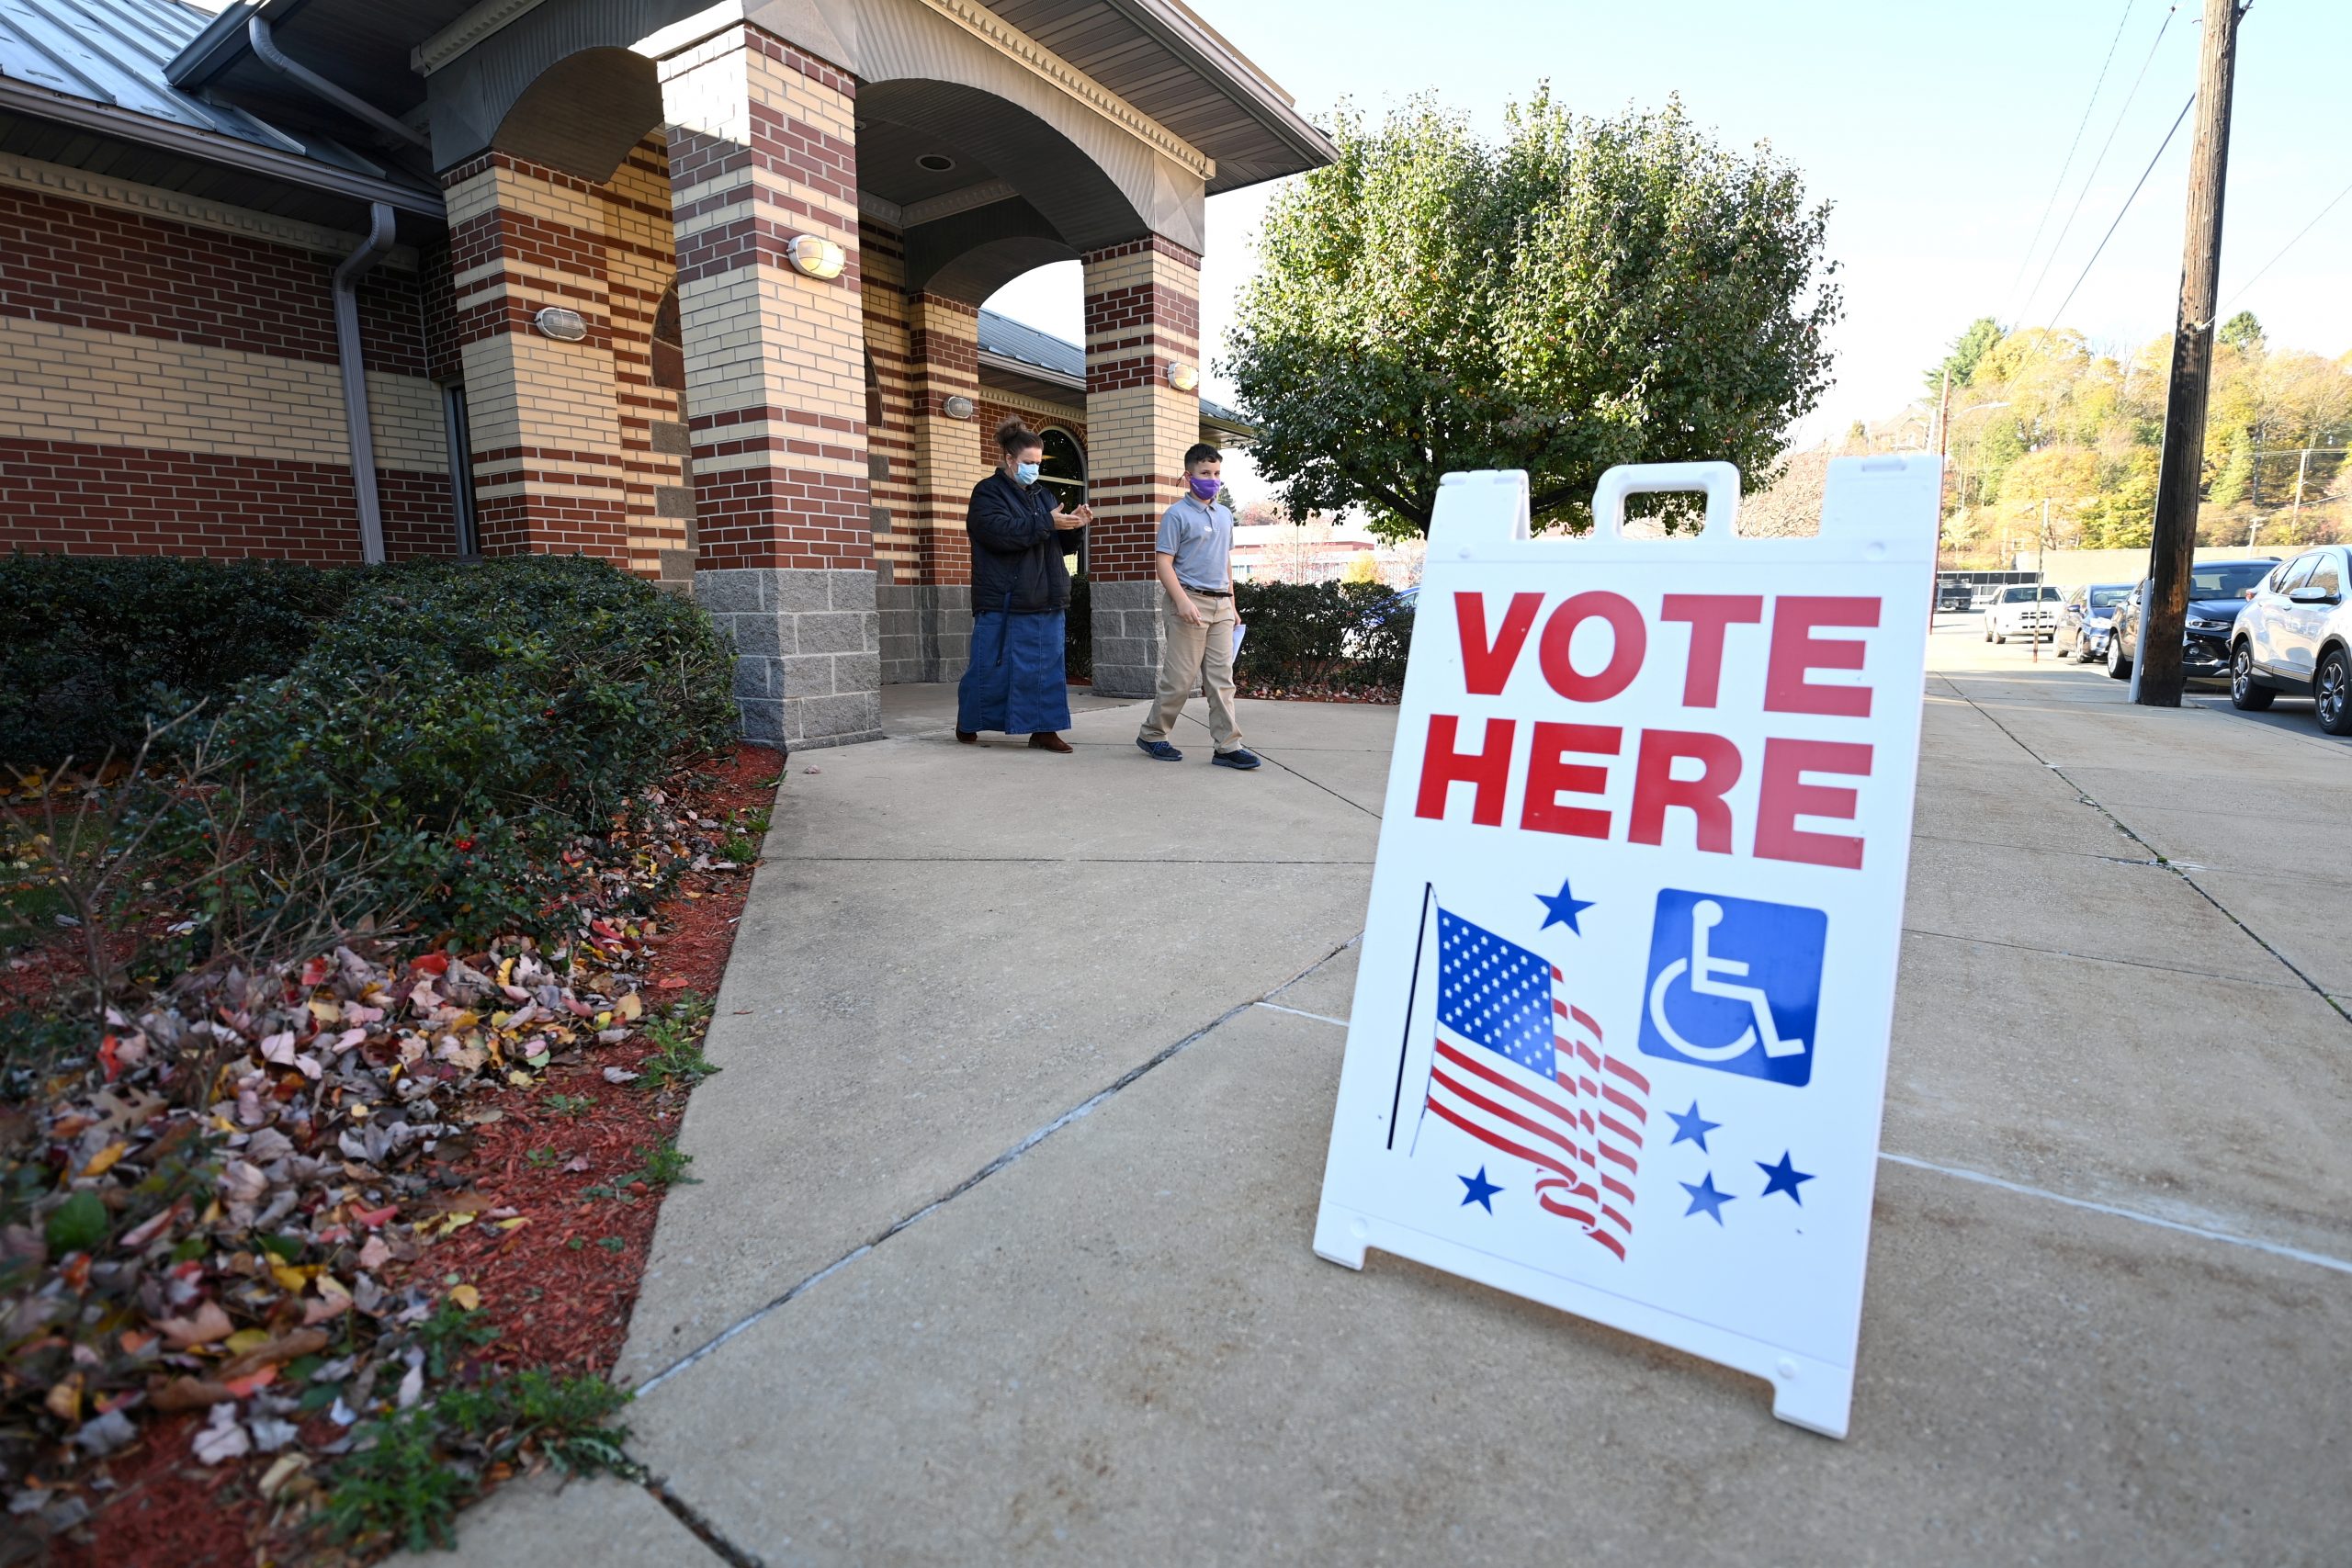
(1025, 472)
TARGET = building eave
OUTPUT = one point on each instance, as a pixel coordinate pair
(211, 147)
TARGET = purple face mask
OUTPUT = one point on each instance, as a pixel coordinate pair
(1206, 489)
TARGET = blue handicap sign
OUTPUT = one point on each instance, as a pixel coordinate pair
(1733, 984)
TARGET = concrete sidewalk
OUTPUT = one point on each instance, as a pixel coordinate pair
(1000, 1251)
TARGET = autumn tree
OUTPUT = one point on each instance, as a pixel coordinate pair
(1584, 292)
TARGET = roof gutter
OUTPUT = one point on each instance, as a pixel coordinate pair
(349, 355)
(1175, 29)
(265, 50)
(148, 130)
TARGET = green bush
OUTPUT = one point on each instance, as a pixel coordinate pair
(459, 723)
(91, 645)
(1355, 635)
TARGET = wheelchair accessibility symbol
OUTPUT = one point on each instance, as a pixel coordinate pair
(1733, 984)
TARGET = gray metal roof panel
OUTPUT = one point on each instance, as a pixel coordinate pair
(1022, 343)
(115, 51)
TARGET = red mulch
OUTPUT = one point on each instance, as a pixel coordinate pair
(556, 1304)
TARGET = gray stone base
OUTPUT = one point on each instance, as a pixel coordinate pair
(926, 633)
(1126, 638)
(807, 651)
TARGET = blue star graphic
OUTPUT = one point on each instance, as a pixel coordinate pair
(1482, 1191)
(1564, 910)
(1704, 1196)
(1689, 1125)
(1783, 1178)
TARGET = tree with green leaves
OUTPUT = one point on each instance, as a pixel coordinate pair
(1587, 292)
(2241, 332)
(1967, 350)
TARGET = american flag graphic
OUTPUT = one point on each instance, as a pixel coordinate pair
(1524, 1072)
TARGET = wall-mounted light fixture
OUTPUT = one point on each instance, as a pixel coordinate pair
(564, 326)
(1183, 377)
(817, 257)
(956, 407)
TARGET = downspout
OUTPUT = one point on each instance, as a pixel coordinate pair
(373, 248)
(265, 50)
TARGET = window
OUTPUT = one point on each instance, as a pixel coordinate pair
(2289, 578)
(2049, 593)
(2236, 579)
(2107, 598)
(2326, 575)
(1063, 466)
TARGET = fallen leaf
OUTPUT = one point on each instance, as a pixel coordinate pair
(243, 1387)
(619, 1075)
(103, 1161)
(630, 1007)
(185, 1393)
(375, 1255)
(64, 1399)
(223, 1439)
(467, 1297)
(285, 1347)
(245, 1340)
(285, 1468)
(208, 1323)
(101, 1435)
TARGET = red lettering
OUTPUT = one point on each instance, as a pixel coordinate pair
(1488, 772)
(1486, 664)
(1795, 650)
(1783, 796)
(1655, 788)
(1708, 613)
(1549, 774)
(1630, 640)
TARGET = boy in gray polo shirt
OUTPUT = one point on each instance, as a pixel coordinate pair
(1194, 560)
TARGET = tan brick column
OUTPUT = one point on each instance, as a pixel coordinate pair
(550, 474)
(762, 148)
(944, 362)
(1142, 316)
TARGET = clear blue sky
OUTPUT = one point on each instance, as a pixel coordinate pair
(1936, 131)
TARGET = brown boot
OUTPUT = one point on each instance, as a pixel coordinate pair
(967, 737)
(1049, 743)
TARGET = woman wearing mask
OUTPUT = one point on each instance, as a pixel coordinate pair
(1015, 681)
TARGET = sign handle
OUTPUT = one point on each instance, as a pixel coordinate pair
(1720, 481)
(1412, 996)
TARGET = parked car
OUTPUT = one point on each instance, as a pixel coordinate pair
(2295, 636)
(1953, 596)
(2216, 591)
(2085, 617)
(2022, 610)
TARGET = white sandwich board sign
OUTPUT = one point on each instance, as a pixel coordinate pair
(1619, 1033)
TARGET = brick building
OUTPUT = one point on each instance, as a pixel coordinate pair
(692, 286)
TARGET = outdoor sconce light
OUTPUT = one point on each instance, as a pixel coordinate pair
(564, 326)
(957, 407)
(1183, 377)
(818, 258)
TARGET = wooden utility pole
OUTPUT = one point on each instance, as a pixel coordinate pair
(2156, 674)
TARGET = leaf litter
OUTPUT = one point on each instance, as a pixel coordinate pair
(242, 1237)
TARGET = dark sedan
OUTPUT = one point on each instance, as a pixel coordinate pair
(2217, 592)
(2085, 618)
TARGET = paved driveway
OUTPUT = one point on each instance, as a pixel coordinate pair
(1001, 1246)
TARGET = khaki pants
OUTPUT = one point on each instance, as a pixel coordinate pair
(1191, 656)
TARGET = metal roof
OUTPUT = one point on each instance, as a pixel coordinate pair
(1003, 338)
(101, 63)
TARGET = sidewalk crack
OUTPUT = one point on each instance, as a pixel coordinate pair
(2157, 855)
(1037, 1135)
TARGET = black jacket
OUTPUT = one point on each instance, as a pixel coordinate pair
(1016, 550)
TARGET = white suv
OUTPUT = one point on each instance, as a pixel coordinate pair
(2020, 610)
(2295, 636)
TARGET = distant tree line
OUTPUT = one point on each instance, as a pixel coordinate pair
(2042, 413)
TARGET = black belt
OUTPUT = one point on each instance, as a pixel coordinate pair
(1209, 592)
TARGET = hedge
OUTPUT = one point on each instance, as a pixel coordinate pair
(1350, 636)
(89, 645)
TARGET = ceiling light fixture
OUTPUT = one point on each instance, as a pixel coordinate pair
(937, 162)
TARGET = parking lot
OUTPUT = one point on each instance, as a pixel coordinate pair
(2070, 680)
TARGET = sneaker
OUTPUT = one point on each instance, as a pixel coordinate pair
(1158, 750)
(1239, 757)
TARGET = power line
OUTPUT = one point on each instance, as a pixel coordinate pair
(2287, 246)
(2127, 206)
(2072, 147)
(2088, 180)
